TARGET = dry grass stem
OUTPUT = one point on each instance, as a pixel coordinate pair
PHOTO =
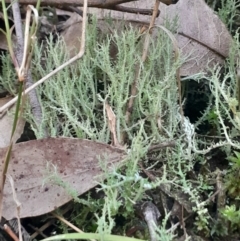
(134, 89)
(10, 232)
(69, 224)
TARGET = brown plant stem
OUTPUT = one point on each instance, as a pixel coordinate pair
(39, 231)
(162, 145)
(91, 3)
(33, 98)
(116, 8)
(10, 232)
(62, 219)
(134, 89)
(132, 10)
(79, 3)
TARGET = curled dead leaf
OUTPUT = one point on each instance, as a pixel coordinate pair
(112, 124)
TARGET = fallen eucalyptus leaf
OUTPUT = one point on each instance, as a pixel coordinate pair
(39, 166)
(72, 34)
(202, 38)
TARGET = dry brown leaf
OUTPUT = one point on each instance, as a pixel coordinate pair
(72, 34)
(75, 161)
(112, 124)
(201, 37)
(6, 123)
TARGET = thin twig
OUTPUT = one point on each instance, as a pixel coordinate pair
(134, 89)
(132, 10)
(10, 232)
(183, 224)
(116, 8)
(38, 231)
(18, 205)
(62, 219)
(91, 3)
(80, 3)
(174, 227)
(162, 145)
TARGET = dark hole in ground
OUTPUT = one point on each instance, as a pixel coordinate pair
(197, 99)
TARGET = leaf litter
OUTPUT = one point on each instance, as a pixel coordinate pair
(201, 36)
(39, 169)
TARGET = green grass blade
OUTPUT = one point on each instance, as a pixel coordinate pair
(107, 237)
